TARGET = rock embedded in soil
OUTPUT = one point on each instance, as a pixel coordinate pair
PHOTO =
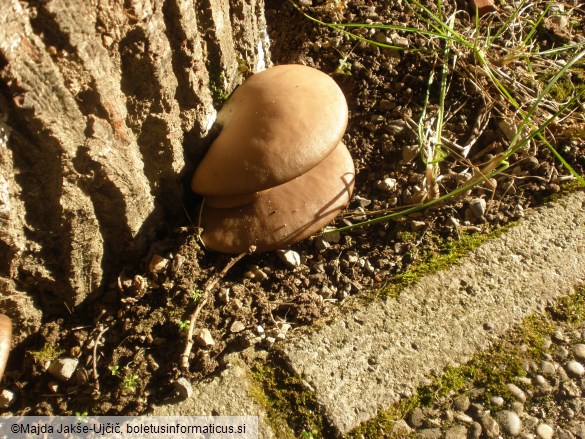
(457, 432)
(579, 351)
(157, 264)
(63, 368)
(478, 207)
(516, 392)
(237, 326)
(416, 418)
(7, 398)
(544, 431)
(183, 387)
(204, 338)
(290, 257)
(401, 428)
(489, 426)
(510, 422)
(575, 369)
(547, 368)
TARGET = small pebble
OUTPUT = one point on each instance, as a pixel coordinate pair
(540, 381)
(416, 418)
(157, 264)
(461, 403)
(183, 387)
(490, 427)
(386, 185)
(544, 431)
(497, 401)
(7, 398)
(559, 337)
(516, 392)
(478, 207)
(462, 417)
(429, 433)
(237, 326)
(457, 432)
(568, 413)
(510, 422)
(547, 368)
(290, 257)
(401, 429)
(204, 338)
(575, 368)
(63, 368)
(579, 351)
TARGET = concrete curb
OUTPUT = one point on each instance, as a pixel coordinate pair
(368, 359)
(228, 394)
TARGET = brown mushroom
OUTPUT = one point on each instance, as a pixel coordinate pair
(285, 214)
(278, 171)
(276, 126)
(5, 341)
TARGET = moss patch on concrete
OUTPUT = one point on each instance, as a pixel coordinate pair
(440, 257)
(292, 410)
(489, 370)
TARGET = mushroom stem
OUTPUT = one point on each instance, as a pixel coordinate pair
(5, 341)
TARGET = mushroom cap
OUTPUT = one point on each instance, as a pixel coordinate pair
(276, 126)
(284, 214)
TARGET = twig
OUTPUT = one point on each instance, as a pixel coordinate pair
(95, 346)
(209, 285)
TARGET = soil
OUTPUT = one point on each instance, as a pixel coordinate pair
(140, 323)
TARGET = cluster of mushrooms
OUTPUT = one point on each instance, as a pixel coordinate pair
(278, 171)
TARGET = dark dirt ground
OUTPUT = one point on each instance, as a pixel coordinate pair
(138, 322)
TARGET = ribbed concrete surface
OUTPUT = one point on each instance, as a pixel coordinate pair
(367, 359)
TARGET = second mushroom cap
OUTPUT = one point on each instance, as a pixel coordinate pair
(277, 125)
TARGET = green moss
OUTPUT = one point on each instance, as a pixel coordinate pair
(440, 258)
(569, 85)
(47, 353)
(218, 92)
(292, 409)
(490, 370)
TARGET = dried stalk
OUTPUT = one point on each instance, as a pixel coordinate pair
(209, 285)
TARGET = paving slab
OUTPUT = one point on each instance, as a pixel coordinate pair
(368, 359)
(228, 394)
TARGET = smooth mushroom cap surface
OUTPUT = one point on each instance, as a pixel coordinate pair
(277, 125)
(284, 214)
(5, 341)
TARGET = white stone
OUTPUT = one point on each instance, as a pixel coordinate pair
(497, 401)
(157, 264)
(237, 326)
(386, 185)
(204, 338)
(510, 422)
(575, 368)
(517, 392)
(579, 351)
(63, 368)
(290, 257)
(7, 398)
(544, 431)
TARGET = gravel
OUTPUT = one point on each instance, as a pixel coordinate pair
(510, 423)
